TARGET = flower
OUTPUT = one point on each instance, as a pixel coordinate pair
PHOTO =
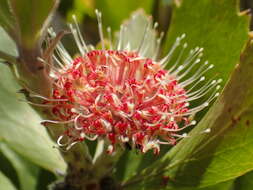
(123, 93)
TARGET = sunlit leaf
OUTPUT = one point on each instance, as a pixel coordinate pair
(7, 45)
(20, 129)
(228, 185)
(5, 183)
(214, 25)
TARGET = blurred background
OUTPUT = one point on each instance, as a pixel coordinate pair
(113, 14)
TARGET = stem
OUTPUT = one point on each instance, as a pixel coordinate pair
(104, 162)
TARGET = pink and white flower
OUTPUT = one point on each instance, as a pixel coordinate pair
(122, 92)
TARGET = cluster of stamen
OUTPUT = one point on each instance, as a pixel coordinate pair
(122, 97)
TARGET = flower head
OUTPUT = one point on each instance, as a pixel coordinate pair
(123, 93)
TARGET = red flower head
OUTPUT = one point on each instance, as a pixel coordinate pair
(124, 94)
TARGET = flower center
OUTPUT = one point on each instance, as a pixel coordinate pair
(120, 96)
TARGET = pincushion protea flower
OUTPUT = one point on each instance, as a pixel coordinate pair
(122, 93)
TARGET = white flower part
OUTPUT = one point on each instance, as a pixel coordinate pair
(151, 144)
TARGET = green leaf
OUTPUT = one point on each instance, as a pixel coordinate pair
(228, 185)
(45, 179)
(5, 183)
(223, 154)
(214, 25)
(27, 172)
(7, 44)
(244, 182)
(32, 17)
(114, 11)
(20, 128)
(8, 170)
(126, 167)
(82, 8)
(6, 18)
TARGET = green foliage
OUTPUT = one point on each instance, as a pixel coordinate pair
(5, 183)
(6, 18)
(228, 185)
(7, 45)
(214, 25)
(224, 153)
(20, 129)
(81, 9)
(31, 18)
(27, 172)
(115, 11)
(245, 182)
